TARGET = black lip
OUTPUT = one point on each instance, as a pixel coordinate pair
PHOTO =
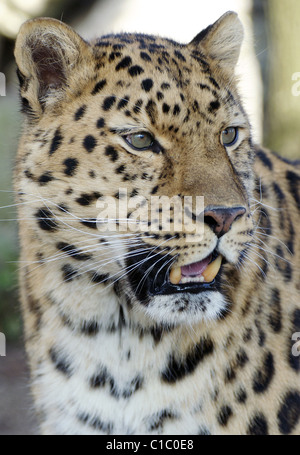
(191, 288)
(156, 282)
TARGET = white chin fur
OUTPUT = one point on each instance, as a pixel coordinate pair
(173, 309)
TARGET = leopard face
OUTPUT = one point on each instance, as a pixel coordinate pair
(139, 118)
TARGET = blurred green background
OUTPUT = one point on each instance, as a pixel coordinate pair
(9, 132)
(276, 28)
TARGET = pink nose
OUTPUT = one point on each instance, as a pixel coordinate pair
(220, 219)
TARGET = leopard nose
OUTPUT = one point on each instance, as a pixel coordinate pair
(220, 219)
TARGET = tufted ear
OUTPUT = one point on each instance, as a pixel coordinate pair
(47, 53)
(222, 40)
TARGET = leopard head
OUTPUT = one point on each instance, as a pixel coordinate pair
(139, 148)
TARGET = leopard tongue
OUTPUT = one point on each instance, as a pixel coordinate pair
(201, 268)
(196, 268)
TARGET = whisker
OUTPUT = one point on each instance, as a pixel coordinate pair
(149, 270)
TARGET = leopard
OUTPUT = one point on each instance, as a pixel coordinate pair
(159, 244)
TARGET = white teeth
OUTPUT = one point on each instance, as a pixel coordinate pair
(207, 276)
(194, 279)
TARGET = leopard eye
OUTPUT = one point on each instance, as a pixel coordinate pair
(229, 136)
(140, 141)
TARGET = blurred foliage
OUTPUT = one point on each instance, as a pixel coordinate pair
(282, 119)
(276, 28)
(9, 132)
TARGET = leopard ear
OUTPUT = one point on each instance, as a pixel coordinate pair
(222, 40)
(48, 54)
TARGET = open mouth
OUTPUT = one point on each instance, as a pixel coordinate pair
(193, 278)
(153, 277)
(203, 271)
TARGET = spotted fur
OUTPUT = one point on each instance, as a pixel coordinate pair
(108, 355)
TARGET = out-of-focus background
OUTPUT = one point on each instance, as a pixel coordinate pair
(269, 69)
